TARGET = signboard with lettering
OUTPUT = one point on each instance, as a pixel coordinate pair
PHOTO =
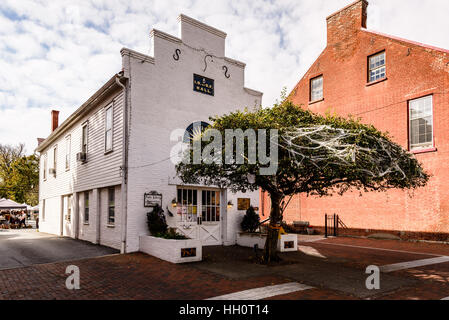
(188, 252)
(243, 203)
(289, 245)
(203, 85)
(151, 199)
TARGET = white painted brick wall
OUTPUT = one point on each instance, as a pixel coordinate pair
(170, 250)
(162, 99)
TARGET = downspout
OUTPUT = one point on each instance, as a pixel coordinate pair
(124, 168)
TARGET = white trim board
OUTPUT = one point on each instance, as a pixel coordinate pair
(264, 292)
(413, 264)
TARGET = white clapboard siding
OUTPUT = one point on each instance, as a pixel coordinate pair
(101, 169)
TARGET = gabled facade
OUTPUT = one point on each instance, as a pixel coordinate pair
(400, 87)
(132, 125)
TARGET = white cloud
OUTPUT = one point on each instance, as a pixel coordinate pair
(55, 54)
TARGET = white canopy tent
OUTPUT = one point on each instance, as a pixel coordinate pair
(7, 204)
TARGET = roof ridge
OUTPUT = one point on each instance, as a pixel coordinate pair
(406, 40)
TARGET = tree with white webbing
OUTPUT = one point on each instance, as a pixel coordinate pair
(319, 155)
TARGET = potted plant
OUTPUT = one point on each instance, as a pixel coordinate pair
(250, 221)
(166, 243)
(310, 230)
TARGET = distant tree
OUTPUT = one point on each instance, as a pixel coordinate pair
(19, 175)
(319, 155)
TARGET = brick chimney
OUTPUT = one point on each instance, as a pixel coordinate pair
(54, 120)
(344, 25)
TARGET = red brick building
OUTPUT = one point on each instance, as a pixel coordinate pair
(399, 86)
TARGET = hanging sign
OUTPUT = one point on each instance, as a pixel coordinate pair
(151, 199)
(203, 85)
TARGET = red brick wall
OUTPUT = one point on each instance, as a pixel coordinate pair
(412, 71)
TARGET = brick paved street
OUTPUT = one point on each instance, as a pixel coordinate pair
(338, 273)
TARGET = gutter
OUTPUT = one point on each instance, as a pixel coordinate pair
(123, 82)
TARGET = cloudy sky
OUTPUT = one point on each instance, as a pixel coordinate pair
(55, 54)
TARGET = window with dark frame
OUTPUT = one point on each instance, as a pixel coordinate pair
(210, 205)
(86, 207)
(316, 89)
(108, 128)
(377, 69)
(111, 206)
(188, 204)
(421, 123)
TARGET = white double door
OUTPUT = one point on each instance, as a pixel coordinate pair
(200, 214)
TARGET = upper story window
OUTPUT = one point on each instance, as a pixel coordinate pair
(68, 146)
(84, 139)
(377, 67)
(421, 123)
(55, 159)
(44, 175)
(108, 128)
(316, 89)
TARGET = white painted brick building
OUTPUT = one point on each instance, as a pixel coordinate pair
(97, 166)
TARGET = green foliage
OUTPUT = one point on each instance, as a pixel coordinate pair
(170, 234)
(293, 178)
(377, 163)
(250, 220)
(19, 175)
(156, 221)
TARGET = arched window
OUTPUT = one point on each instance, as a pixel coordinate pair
(195, 128)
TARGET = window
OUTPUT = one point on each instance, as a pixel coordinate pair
(68, 201)
(55, 157)
(84, 139)
(421, 123)
(43, 210)
(86, 207)
(45, 167)
(108, 129)
(316, 89)
(210, 209)
(68, 143)
(111, 205)
(193, 130)
(377, 68)
(188, 204)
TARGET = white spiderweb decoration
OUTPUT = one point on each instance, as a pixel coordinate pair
(323, 145)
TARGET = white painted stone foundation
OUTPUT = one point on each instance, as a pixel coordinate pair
(170, 249)
(245, 239)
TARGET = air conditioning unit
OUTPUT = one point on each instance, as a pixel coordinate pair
(81, 157)
(52, 171)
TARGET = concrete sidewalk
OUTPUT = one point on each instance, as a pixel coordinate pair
(26, 247)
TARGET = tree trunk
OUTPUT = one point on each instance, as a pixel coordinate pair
(270, 252)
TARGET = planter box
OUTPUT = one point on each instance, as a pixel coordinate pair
(174, 251)
(245, 239)
(287, 243)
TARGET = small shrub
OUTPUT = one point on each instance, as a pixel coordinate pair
(171, 234)
(250, 220)
(156, 221)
